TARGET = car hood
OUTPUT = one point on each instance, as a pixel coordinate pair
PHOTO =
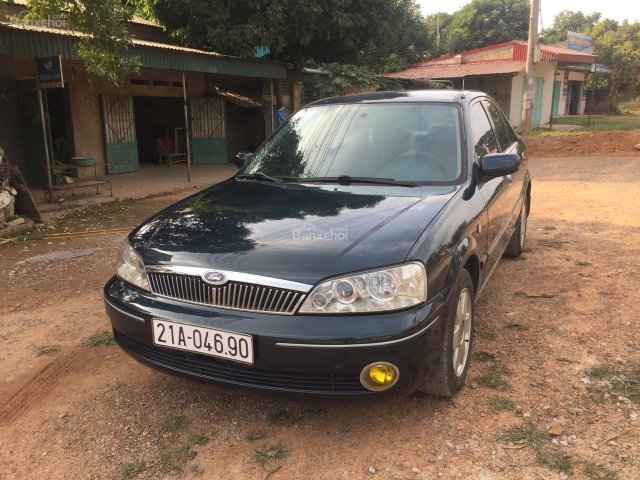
(297, 232)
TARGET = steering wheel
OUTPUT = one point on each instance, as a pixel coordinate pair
(420, 161)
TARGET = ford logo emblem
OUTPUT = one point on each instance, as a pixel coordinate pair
(214, 278)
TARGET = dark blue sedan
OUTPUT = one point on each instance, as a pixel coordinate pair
(345, 257)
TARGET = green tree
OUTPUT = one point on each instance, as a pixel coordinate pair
(485, 22)
(342, 79)
(618, 46)
(106, 44)
(569, 20)
(437, 26)
(298, 31)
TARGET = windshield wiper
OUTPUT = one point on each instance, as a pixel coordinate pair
(348, 180)
(258, 176)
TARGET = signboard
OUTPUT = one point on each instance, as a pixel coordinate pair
(578, 41)
(50, 72)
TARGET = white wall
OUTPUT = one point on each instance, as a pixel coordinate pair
(545, 70)
(515, 112)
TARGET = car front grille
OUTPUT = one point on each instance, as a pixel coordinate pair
(236, 295)
(210, 368)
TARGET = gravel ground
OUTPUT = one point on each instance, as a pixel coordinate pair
(553, 389)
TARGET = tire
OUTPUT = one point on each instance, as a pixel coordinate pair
(451, 373)
(518, 237)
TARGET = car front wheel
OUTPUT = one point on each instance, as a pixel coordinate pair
(451, 372)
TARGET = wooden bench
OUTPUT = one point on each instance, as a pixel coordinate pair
(171, 158)
(72, 171)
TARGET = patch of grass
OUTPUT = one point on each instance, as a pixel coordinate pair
(132, 469)
(47, 350)
(545, 132)
(31, 236)
(554, 460)
(528, 434)
(623, 381)
(549, 227)
(540, 441)
(484, 356)
(493, 376)
(486, 334)
(175, 460)
(196, 470)
(584, 264)
(502, 404)
(269, 453)
(281, 417)
(98, 339)
(516, 326)
(598, 472)
(255, 435)
(172, 423)
(600, 122)
(198, 439)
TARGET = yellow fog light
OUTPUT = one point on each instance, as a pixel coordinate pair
(379, 376)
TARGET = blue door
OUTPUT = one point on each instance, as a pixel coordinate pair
(537, 101)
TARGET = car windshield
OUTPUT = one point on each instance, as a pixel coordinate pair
(417, 142)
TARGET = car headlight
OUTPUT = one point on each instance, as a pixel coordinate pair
(379, 290)
(130, 267)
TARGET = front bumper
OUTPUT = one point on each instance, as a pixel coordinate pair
(298, 353)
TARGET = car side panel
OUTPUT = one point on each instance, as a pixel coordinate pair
(458, 231)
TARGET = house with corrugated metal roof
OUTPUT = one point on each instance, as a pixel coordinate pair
(229, 101)
(499, 70)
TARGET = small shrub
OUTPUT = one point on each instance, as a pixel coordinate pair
(98, 339)
(132, 469)
(502, 404)
(269, 453)
(47, 350)
(173, 423)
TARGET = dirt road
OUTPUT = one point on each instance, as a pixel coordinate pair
(553, 389)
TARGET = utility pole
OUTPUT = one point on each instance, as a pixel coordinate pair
(528, 97)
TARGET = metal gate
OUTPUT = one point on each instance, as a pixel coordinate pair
(120, 133)
(208, 131)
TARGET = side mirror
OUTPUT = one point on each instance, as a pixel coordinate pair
(242, 158)
(499, 164)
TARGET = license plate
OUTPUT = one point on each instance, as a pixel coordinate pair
(207, 341)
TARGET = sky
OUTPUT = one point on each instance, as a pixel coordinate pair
(615, 9)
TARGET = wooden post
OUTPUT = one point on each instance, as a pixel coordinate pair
(527, 99)
(186, 126)
(43, 123)
(272, 120)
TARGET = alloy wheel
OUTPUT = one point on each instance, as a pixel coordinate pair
(462, 332)
(523, 224)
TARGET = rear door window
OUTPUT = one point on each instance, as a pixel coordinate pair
(503, 133)
(484, 141)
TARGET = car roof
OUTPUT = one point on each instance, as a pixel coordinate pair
(452, 96)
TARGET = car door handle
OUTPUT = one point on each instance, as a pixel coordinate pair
(509, 179)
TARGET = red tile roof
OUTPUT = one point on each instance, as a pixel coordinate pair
(436, 71)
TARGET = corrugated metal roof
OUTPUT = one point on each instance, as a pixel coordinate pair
(36, 41)
(239, 99)
(548, 53)
(426, 71)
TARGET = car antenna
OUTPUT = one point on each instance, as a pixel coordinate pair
(462, 89)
